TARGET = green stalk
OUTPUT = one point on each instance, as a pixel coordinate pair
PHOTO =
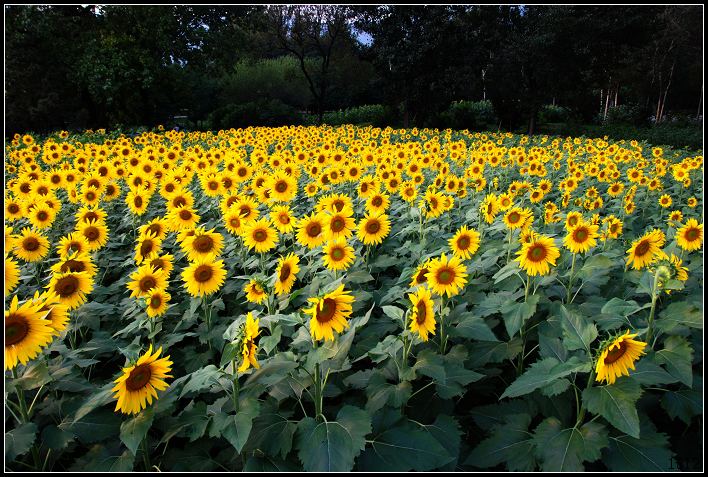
(443, 338)
(235, 386)
(570, 280)
(581, 412)
(654, 297)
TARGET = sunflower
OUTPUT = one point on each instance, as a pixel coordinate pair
(202, 244)
(311, 230)
(26, 332)
(138, 384)
(446, 277)
(645, 249)
(147, 245)
(617, 357)
(690, 236)
(12, 274)
(247, 208)
(259, 235)
(464, 243)
(204, 277)
(249, 350)
(373, 228)
(283, 188)
(338, 255)
(665, 201)
(162, 263)
(76, 262)
(329, 313)
(282, 218)
(581, 238)
(71, 288)
(286, 272)
(614, 228)
(572, 219)
(536, 255)
(233, 221)
(377, 203)
(87, 214)
(145, 279)
(432, 204)
(517, 218)
(54, 312)
(254, 292)
(13, 209)
(340, 224)
(31, 246)
(420, 274)
(95, 233)
(137, 201)
(422, 316)
(157, 226)
(183, 217)
(489, 208)
(42, 217)
(157, 300)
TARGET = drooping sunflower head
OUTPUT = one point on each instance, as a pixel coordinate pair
(329, 313)
(249, 349)
(139, 383)
(617, 356)
(338, 254)
(286, 273)
(26, 332)
(420, 275)
(464, 243)
(260, 236)
(373, 228)
(536, 256)
(646, 249)
(446, 277)
(422, 315)
(204, 276)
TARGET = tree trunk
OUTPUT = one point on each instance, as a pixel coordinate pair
(532, 121)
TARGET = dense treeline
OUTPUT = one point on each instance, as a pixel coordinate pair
(509, 67)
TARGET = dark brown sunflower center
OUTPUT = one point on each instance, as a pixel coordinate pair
(373, 227)
(244, 211)
(420, 277)
(514, 217)
(284, 272)
(25, 187)
(55, 179)
(281, 186)
(30, 244)
(572, 221)
(242, 172)
(90, 216)
(90, 195)
(147, 283)
(613, 228)
(537, 253)
(314, 230)
(337, 254)
(72, 266)
(581, 235)
(234, 222)
(337, 224)
(463, 242)
(446, 276)
(185, 215)
(284, 218)
(138, 201)
(213, 185)
(433, 203)
(203, 273)
(642, 248)
(692, 234)
(146, 247)
(13, 208)
(91, 233)
(422, 312)
(179, 202)
(16, 328)
(155, 302)
(616, 353)
(377, 201)
(260, 235)
(139, 377)
(67, 286)
(327, 311)
(203, 244)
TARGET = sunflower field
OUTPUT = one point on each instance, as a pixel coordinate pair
(351, 298)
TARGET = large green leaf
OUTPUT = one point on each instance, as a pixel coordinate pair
(544, 373)
(578, 332)
(94, 427)
(473, 327)
(649, 373)
(273, 433)
(380, 392)
(133, 431)
(200, 380)
(616, 403)
(19, 440)
(677, 356)
(684, 404)
(651, 453)
(105, 459)
(332, 446)
(515, 314)
(562, 449)
(237, 428)
(678, 314)
(510, 442)
(402, 447)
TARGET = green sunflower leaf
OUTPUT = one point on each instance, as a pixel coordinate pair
(616, 403)
(562, 449)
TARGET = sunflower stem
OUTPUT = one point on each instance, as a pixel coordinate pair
(508, 250)
(318, 391)
(235, 386)
(443, 338)
(654, 297)
(570, 279)
(581, 412)
(146, 454)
